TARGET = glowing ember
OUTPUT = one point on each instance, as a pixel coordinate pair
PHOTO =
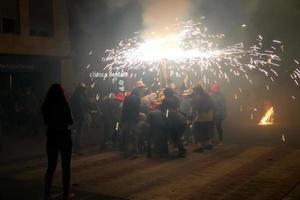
(268, 118)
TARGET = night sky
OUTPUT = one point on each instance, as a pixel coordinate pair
(106, 22)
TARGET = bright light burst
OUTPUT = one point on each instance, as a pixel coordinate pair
(268, 118)
(191, 54)
(192, 49)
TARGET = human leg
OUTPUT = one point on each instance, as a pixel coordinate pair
(52, 154)
(66, 152)
(219, 129)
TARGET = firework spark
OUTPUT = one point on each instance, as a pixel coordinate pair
(192, 49)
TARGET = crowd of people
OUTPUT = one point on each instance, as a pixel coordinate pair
(147, 121)
(138, 122)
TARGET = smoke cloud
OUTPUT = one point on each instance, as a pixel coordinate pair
(115, 4)
(159, 14)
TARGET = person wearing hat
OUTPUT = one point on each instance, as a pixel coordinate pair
(145, 101)
(140, 84)
(141, 88)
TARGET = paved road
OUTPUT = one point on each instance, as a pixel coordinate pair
(228, 172)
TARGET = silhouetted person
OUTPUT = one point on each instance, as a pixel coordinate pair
(175, 120)
(57, 117)
(185, 107)
(130, 119)
(202, 116)
(157, 134)
(219, 110)
(79, 105)
(110, 110)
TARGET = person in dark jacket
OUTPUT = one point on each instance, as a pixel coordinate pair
(219, 110)
(129, 120)
(175, 120)
(157, 134)
(57, 117)
(109, 108)
(79, 105)
(170, 102)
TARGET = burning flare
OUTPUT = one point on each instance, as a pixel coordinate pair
(268, 118)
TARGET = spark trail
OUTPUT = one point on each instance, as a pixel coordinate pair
(191, 49)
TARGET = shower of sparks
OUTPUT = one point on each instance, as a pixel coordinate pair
(192, 50)
(191, 54)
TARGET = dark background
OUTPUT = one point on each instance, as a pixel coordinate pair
(99, 25)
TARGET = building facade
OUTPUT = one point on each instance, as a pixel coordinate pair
(34, 45)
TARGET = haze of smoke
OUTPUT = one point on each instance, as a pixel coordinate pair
(158, 14)
(113, 4)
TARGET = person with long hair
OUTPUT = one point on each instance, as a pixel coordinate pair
(57, 117)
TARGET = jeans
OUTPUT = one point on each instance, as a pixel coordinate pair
(58, 144)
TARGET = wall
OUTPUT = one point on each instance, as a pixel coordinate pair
(23, 43)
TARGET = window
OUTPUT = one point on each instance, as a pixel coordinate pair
(9, 16)
(41, 18)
